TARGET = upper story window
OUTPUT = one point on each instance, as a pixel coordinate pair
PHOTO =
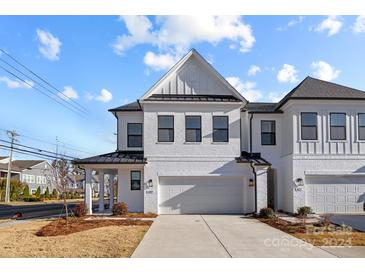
(268, 133)
(338, 126)
(134, 132)
(136, 180)
(165, 128)
(309, 126)
(220, 128)
(361, 126)
(193, 126)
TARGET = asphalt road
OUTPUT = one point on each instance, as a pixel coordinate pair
(36, 210)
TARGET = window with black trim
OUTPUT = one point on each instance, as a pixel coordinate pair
(220, 128)
(136, 180)
(193, 126)
(268, 133)
(165, 128)
(309, 126)
(338, 126)
(361, 123)
(134, 132)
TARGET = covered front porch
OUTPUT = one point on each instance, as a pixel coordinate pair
(121, 174)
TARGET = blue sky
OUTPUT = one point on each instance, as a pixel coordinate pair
(106, 61)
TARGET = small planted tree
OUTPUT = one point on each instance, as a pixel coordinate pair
(54, 194)
(59, 176)
(46, 193)
(38, 192)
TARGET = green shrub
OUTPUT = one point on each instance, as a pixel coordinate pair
(80, 210)
(54, 194)
(304, 211)
(47, 194)
(120, 209)
(267, 212)
(32, 199)
(38, 192)
(26, 192)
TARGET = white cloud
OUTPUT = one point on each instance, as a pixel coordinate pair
(332, 24)
(174, 35)
(276, 96)
(247, 89)
(291, 23)
(15, 83)
(287, 74)
(104, 96)
(159, 61)
(324, 71)
(253, 70)
(68, 93)
(50, 46)
(359, 25)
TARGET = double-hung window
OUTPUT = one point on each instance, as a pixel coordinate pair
(134, 131)
(309, 126)
(268, 133)
(193, 126)
(338, 126)
(136, 180)
(165, 128)
(361, 124)
(220, 128)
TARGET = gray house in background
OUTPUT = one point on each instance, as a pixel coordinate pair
(31, 172)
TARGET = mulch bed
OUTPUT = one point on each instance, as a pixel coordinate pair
(139, 215)
(319, 234)
(60, 227)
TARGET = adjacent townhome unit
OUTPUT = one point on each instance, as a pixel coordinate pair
(193, 144)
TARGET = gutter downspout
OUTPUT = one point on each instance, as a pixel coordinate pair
(251, 117)
(255, 178)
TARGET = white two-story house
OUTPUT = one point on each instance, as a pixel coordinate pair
(194, 144)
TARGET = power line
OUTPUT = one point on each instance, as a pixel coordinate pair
(41, 78)
(28, 84)
(35, 81)
(28, 154)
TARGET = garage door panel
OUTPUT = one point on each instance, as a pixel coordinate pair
(185, 195)
(334, 194)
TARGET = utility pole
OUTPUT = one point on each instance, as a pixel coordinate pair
(12, 135)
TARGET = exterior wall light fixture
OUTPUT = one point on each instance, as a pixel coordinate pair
(251, 183)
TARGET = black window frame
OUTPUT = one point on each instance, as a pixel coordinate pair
(221, 129)
(158, 128)
(134, 135)
(345, 126)
(302, 126)
(140, 180)
(199, 128)
(271, 133)
(359, 127)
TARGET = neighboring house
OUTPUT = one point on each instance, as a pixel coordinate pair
(193, 144)
(31, 172)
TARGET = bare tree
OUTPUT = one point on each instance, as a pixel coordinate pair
(59, 177)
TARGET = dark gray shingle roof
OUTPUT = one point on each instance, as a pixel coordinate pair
(261, 107)
(117, 157)
(135, 106)
(193, 98)
(311, 88)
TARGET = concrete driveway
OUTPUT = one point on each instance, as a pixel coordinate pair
(355, 221)
(220, 236)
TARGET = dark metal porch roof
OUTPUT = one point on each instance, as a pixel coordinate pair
(117, 157)
(252, 158)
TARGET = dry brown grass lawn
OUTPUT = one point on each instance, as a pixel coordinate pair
(4, 220)
(111, 241)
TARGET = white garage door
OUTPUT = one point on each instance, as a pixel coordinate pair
(336, 194)
(184, 195)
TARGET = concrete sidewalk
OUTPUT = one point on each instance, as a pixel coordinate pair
(220, 236)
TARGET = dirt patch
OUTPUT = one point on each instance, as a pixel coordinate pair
(139, 215)
(319, 234)
(104, 242)
(60, 227)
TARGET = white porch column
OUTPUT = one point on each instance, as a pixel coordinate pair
(88, 191)
(111, 190)
(101, 190)
(261, 187)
